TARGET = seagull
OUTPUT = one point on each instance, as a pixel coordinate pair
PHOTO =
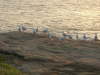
(23, 28)
(19, 28)
(45, 30)
(96, 36)
(84, 37)
(50, 35)
(33, 30)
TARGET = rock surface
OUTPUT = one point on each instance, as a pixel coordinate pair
(39, 55)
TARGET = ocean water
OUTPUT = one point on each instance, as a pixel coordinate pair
(72, 16)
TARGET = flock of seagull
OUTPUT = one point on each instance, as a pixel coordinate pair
(65, 35)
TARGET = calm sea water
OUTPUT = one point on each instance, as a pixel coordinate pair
(57, 15)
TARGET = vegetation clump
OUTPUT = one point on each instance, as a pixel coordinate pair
(7, 69)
